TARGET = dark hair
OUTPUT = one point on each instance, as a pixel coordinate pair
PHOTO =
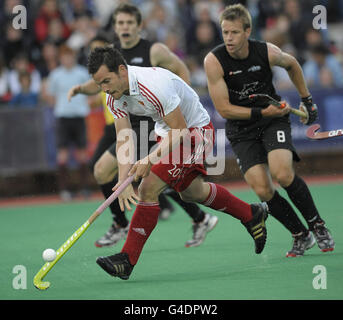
(320, 48)
(108, 56)
(129, 9)
(101, 36)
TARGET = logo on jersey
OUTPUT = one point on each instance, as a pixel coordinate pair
(254, 68)
(137, 60)
(248, 88)
(232, 73)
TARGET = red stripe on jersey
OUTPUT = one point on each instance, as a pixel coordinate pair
(123, 113)
(142, 87)
(152, 102)
(118, 112)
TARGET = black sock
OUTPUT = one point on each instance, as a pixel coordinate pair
(191, 208)
(300, 195)
(282, 211)
(164, 202)
(118, 215)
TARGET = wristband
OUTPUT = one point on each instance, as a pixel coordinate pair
(256, 114)
(307, 99)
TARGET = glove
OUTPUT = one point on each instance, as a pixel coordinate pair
(310, 108)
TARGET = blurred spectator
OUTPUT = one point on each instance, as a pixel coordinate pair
(25, 98)
(5, 94)
(174, 42)
(13, 43)
(169, 6)
(105, 9)
(203, 21)
(83, 32)
(323, 69)
(71, 125)
(49, 17)
(299, 22)
(313, 37)
(22, 64)
(205, 41)
(55, 32)
(158, 22)
(48, 60)
(75, 9)
(268, 11)
(277, 31)
(198, 76)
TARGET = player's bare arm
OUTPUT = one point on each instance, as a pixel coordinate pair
(89, 88)
(177, 124)
(125, 158)
(279, 58)
(161, 56)
(284, 60)
(219, 94)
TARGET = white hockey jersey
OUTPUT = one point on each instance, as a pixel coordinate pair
(155, 92)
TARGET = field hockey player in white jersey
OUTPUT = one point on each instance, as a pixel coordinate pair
(179, 118)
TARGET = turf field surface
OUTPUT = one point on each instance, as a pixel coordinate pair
(224, 267)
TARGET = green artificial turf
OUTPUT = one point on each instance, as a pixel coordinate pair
(224, 267)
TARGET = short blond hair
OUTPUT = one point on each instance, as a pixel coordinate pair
(234, 12)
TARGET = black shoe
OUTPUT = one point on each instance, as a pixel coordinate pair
(256, 226)
(117, 265)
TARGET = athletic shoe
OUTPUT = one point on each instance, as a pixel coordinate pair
(323, 237)
(117, 265)
(201, 229)
(257, 227)
(301, 243)
(112, 236)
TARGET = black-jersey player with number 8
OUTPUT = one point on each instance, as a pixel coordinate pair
(260, 133)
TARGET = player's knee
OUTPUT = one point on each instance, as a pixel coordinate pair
(192, 197)
(186, 197)
(147, 193)
(263, 191)
(284, 177)
(100, 173)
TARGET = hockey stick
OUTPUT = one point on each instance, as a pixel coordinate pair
(271, 100)
(43, 285)
(312, 133)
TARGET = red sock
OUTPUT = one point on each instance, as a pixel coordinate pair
(142, 223)
(221, 199)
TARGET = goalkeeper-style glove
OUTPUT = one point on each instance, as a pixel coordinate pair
(310, 109)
